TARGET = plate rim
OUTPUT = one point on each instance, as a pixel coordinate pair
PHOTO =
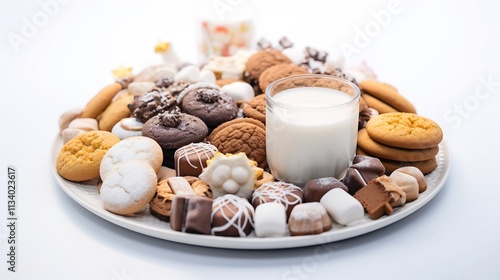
(257, 243)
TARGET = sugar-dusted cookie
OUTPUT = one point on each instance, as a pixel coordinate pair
(387, 94)
(80, 158)
(393, 153)
(404, 130)
(129, 187)
(132, 148)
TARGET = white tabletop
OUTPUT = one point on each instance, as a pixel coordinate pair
(441, 55)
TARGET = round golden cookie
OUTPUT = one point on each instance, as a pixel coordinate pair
(388, 94)
(263, 59)
(115, 112)
(256, 108)
(80, 158)
(393, 153)
(377, 104)
(100, 101)
(277, 71)
(425, 166)
(404, 130)
(245, 137)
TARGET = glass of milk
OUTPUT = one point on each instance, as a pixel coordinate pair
(311, 127)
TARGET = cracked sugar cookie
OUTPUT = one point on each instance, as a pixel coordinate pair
(129, 187)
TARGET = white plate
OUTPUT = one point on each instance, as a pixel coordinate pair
(87, 196)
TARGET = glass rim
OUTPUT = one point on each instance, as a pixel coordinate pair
(272, 101)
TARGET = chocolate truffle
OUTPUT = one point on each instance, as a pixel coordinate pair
(363, 170)
(232, 216)
(287, 194)
(192, 158)
(315, 189)
(309, 218)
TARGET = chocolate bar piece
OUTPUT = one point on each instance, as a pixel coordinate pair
(191, 214)
(363, 170)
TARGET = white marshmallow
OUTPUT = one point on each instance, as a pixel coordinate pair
(239, 91)
(207, 76)
(342, 207)
(270, 219)
(295, 55)
(189, 74)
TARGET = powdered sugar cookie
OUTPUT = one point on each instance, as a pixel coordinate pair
(128, 188)
(132, 148)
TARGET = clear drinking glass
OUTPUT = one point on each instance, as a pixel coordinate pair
(311, 127)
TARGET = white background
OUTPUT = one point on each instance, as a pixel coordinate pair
(443, 56)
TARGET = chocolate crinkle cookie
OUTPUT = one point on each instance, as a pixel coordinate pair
(152, 104)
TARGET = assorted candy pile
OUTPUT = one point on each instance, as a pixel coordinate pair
(187, 144)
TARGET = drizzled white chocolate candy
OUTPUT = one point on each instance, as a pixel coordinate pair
(287, 194)
(232, 216)
(191, 159)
